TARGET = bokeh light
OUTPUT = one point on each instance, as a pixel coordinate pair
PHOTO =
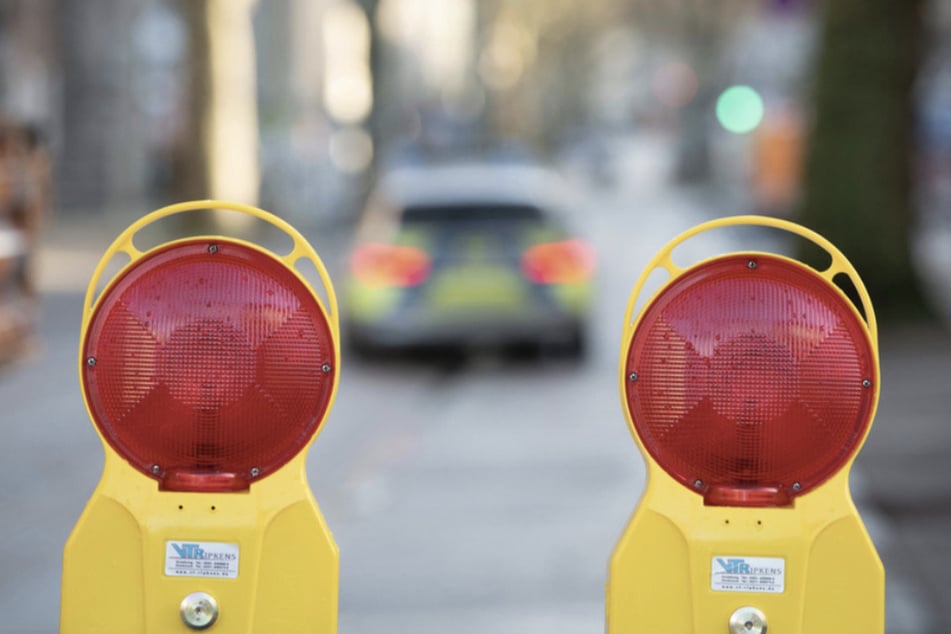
(675, 84)
(740, 109)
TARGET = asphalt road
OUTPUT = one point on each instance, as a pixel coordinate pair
(481, 498)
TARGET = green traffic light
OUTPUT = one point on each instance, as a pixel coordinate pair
(739, 109)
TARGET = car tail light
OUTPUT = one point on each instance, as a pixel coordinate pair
(748, 380)
(208, 365)
(558, 262)
(385, 265)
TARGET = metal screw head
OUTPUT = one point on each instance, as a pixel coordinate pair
(751, 264)
(91, 362)
(325, 368)
(199, 610)
(866, 383)
(255, 472)
(796, 486)
(632, 377)
(212, 248)
(698, 484)
(748, 620)
(156, 469)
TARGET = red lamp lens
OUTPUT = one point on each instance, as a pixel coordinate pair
(208, 368)
(750, 380)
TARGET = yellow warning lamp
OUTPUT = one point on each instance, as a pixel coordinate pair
(749, 382)
(208, 365)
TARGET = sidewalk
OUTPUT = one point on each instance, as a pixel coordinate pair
(906, 470)
(72, 246)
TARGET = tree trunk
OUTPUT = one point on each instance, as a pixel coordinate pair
(219, 156)
(858, 176)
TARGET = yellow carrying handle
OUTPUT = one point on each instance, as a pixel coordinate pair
(840, 265)
(302, 249)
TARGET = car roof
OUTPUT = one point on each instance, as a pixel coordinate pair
(472, 183)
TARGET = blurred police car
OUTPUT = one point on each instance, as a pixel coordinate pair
(467, 255)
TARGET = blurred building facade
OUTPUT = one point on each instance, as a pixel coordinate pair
(76, 71)
(341, 85)
(344, 85)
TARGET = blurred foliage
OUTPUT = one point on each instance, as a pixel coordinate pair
(858, 175)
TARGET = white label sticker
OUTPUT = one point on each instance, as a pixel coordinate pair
(201, 559)
(748, 574)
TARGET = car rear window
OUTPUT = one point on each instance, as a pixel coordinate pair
(421, 214)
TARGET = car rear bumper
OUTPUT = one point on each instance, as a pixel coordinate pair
(429, 332)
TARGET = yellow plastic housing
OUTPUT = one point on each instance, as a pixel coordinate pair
(287, 570)
(661, 571)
